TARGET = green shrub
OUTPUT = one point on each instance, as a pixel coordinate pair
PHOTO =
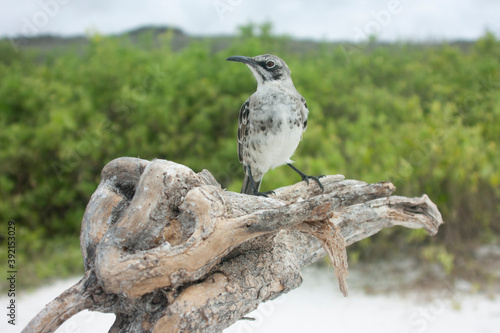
(426, 117)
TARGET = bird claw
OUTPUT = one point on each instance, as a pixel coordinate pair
(306, 177)
(316, 179)
(263, 194)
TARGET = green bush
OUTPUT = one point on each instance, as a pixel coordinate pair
(426, 117)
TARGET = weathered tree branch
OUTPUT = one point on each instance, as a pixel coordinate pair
(167, 250)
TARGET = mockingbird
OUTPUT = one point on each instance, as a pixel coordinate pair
(270, 123)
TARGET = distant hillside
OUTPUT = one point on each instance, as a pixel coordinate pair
(151, 34)
(51, 42)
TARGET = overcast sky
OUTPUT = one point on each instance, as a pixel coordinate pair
(316, 19)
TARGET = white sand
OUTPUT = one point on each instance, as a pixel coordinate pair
(317, 306)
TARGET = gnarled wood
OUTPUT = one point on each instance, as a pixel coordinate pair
(168, 250)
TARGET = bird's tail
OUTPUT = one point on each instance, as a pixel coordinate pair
(247, 185)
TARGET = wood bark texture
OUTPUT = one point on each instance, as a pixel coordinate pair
(168, 250)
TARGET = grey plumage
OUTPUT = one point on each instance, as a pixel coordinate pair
(271, 121)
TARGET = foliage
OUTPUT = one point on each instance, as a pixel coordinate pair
(426, 117)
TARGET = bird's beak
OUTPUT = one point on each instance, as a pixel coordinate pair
(243, 59)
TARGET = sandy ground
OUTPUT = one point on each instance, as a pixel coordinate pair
(318, 306)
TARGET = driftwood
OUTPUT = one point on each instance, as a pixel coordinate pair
(167, 250)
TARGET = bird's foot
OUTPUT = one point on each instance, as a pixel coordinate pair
(262, 194)
(316, 179)
(306, 177)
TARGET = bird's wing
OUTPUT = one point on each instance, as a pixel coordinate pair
(242, 127)
(304, 112)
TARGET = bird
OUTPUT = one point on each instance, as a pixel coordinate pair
(271, 122)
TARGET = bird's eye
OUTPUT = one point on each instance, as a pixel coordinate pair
(270, 64)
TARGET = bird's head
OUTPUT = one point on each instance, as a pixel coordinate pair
(266, 68)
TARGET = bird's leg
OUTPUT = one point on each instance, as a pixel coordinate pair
(254, 188)
(306, 177)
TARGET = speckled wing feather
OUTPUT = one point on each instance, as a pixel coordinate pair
(242, 134)
(304, 115)
(242, 127)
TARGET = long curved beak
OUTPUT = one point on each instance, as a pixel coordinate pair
(243, 59)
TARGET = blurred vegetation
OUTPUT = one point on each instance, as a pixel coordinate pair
(426, 117)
